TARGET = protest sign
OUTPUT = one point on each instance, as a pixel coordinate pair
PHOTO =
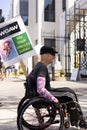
(15, 42)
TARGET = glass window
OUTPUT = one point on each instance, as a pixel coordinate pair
(24, 10)
(49, 42)
(64, 5)
(49, 10)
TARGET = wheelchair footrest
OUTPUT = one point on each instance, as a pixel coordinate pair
(56, 121)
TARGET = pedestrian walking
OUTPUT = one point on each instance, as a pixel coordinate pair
(1, 70)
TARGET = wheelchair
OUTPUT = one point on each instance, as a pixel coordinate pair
(37, 113)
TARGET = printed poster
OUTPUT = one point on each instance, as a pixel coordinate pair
(15, 43)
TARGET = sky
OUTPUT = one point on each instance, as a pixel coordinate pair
(5, 6)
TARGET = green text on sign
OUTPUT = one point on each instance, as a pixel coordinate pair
(22, 43)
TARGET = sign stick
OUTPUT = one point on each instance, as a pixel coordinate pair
(24, 68)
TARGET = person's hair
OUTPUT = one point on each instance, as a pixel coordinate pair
(47, 50)
(8, 42)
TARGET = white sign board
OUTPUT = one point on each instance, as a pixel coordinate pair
(15, 43)
(74, 75)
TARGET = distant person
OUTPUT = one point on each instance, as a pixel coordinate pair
(16, 68)
(1, 70)
(8, 71)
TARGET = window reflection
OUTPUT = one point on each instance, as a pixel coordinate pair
(49, 10)
(24, 10)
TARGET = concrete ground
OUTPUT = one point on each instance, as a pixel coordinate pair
(12, 90)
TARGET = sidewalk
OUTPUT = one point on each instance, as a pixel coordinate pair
(12, 90)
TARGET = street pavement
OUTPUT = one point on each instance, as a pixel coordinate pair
(12, 90)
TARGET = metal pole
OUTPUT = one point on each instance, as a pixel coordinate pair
(53, 71)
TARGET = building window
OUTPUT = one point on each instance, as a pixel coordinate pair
(64, 5)
(49, 42)
(24, 11)
(49, 10)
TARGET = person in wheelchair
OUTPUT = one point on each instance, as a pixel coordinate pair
(41, 75)
(39, 80)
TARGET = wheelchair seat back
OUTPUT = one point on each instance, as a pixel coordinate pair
(30, 87)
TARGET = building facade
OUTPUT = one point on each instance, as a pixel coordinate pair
(75, 45)
(45, 21)
(42, 20)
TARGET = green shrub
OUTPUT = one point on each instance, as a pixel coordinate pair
(61, 72)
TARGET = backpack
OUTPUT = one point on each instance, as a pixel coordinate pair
(30, 86)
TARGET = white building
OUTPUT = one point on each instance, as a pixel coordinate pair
(45, 21)
(42, 20)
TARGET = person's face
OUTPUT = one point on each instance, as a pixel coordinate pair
(50, 58)
(7, 47)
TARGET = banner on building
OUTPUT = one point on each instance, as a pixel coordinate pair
(15, 42)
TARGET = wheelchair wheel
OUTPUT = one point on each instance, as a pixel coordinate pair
(22, 101)
(38, 114)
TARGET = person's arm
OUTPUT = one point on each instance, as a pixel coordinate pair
(43, 91)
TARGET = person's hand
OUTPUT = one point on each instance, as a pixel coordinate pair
(57, 104)
(56, 101)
